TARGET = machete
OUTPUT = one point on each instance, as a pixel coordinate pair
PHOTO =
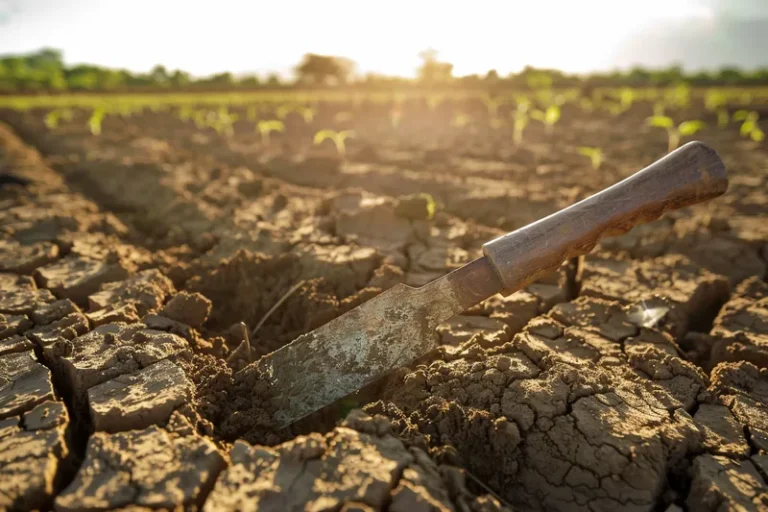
(398, 326)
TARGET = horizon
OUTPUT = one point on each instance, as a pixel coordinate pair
(594, 36)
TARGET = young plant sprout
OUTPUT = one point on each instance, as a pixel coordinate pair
(679, 96)
(626, 98)
(338, 139)
(460, 121)
(282, 111)
(53, 117)
(714, 100)
(94, 122)
(395, 116)
(521, 120)
(224, 122)
(613, 107)
(186, 112)
(684, 129)
(548, 117)
(433, 101)
(587, 105)
(252, 113)
(595, 155)
(199, 117)
(307, 113)
(722, 118)
(267, 127)
(749, 127)
(492, 105)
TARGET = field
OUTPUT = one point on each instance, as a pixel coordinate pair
(144, 236)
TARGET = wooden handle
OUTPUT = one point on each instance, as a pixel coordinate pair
(689, 175)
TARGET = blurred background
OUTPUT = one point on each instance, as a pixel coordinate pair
(96, 45)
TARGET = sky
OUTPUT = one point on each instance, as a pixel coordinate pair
(386, 36)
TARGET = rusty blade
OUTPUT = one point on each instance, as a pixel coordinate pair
(368, 342)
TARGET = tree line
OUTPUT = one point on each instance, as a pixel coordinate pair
(45, 71)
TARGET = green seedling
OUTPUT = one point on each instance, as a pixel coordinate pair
(282, 111)
(53, 117)
(595, 155)
(94, 122)
(722, 118)
(613, 107)
(395, 116)
(434, 101)
(626, 98)
(684, 129)
(252, 113)
(492, 105)
(679, 96)
(224, 122)
(520, 121)
(460, 120)
(266, 127)
(749, 127)
(338, 139)
(307, 113)
(199, 117)
(548, 117)
(186, 113)
(714, 100)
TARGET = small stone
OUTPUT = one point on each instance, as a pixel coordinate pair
(48, 313)
(415, 206)
(22, 301)
(15, 344)
(125, 313)
(45, 416)
(139, 399)
(24, 259)
(76, 278)
(188, 308)
(723, 435)
(11, 325)
(460, 329)
(142, 468)
(112, 350)
(146, 291)
(30, 457)
(24, 383)
(720, 483)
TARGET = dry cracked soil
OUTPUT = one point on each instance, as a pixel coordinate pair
(132, 263)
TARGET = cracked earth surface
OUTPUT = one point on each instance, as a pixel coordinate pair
(633, 378)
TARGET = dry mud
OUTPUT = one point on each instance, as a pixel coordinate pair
(633, 379)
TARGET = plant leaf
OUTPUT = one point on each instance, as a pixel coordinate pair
(323, 135)
(687, 128)
(660, 121)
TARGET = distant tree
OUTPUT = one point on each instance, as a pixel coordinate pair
(250, 81)
(730, 75)
(324, 69)
(671, 75)
(83, 77)
(273, 81)
(432, 70)
(47, 58)
(179, 79)
(159, 76)
(639, 76)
